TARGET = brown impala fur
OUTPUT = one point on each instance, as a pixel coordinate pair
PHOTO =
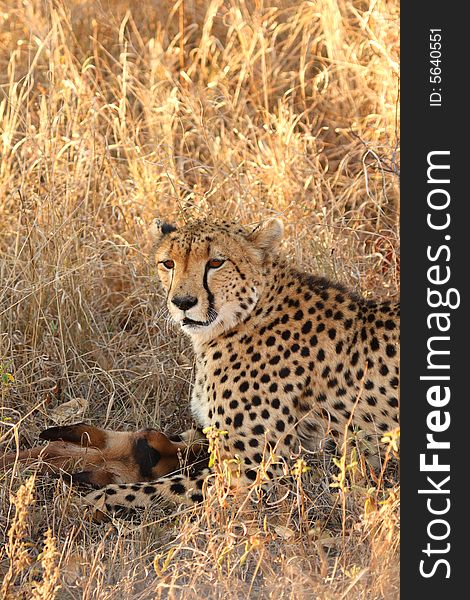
(104, 456)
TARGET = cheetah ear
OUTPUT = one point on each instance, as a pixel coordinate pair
(158, 229)
(267, 236)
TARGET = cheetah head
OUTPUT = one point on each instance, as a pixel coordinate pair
(213, 273)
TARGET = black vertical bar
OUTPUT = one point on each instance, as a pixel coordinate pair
(434, 120)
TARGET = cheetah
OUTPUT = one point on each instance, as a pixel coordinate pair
(284, 358)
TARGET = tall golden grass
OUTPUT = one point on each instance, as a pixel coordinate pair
(114, 112)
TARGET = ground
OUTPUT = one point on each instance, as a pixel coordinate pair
(116, 113)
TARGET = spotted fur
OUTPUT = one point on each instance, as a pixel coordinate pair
(284, 358)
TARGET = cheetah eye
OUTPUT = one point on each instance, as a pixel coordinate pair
(215, 263)
(168, 264)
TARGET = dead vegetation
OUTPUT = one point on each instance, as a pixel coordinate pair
(112, 113)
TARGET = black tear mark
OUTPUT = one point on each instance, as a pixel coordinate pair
(146, 457)
(210, 295)
(167, 228)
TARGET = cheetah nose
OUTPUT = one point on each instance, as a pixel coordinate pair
(184, 302)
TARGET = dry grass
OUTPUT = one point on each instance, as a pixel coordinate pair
(112, 113)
